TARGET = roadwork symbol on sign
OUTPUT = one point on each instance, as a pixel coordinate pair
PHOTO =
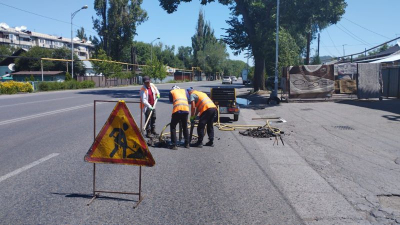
(120, 141)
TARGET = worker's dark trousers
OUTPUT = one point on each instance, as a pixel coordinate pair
(152, 122)
(207, 118)
(176, 118)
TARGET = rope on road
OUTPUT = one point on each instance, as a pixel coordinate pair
(230, 127)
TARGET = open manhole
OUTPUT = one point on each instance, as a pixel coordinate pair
(390, 201)
(306, 109)
(343, 127)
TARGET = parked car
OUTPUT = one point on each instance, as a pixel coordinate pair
(226, 80)
(233, 78)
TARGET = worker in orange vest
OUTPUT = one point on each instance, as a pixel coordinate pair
(205, 108)
(180, 113)
(148, 95)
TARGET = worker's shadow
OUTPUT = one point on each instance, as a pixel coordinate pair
(90, 196)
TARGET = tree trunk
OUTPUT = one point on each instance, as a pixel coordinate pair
(259, 79)
(307, 62)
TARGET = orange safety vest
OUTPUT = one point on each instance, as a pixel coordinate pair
(180, 100)
(204, 102)
(145, 91)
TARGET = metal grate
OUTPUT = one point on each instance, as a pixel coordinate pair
(343, 127)
(306, 109)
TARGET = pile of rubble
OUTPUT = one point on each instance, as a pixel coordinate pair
(259, 132)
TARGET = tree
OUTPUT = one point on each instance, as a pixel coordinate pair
(80, 33)
(65, 53)
(185, 55)
(6, 50)
(106, 67)
(253, 23)
(208, 53)
(155, 69)
(233, 67)
(116, 24)
(31, 60)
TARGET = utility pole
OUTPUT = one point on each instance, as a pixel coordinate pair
(318, 43)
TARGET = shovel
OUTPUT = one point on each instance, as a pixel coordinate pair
(147, 121)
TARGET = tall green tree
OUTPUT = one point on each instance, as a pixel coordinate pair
(252, 25)
(80, 33)
(116, 24)
(208, 53)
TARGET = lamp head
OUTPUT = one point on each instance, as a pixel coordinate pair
(84, 7)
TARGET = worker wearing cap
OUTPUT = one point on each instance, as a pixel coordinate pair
(204, 107)
(180, 112)
(148, 95)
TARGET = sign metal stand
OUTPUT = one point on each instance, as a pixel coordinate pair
(96, 193)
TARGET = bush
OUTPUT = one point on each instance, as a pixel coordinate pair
(87, 84)
(12, 87)
(68, 76)
(66, 85)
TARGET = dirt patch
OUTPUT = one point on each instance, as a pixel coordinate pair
(390, 201)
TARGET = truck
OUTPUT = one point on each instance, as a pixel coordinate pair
(245, 76)
(225, 100)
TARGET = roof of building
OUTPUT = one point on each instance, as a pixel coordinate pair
(45, 73)
(28, 34)
(387, 52)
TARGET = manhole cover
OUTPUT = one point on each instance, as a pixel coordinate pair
(343, 127)
(306, 109)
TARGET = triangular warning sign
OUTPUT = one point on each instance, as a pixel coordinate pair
(120, 141)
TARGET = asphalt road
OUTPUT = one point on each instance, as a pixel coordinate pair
(340, 165)
(44, 179)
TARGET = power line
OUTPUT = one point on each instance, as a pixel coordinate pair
(332, 41)
(50, 18)
(349, 45)
(330, 54)
(366, 28)
(352, 35)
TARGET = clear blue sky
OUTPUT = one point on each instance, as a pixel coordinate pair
(177, 29)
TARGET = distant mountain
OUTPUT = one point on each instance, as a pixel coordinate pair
(326, 59)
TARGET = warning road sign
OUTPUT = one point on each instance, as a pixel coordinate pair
(120, 141)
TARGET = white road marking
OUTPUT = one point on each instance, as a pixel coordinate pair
(45, 114)
(22, 169)
(36, 102)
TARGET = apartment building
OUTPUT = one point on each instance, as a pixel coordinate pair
(20, 37)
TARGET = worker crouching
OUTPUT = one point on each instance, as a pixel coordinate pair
(204, 107)
(180, 112)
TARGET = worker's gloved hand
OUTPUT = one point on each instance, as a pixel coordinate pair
(151, 108)
(158, 96)
(192, 119)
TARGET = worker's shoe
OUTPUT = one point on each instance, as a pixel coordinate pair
(173, 147)
(209, 144)
(153, 131)
(198, 144)
(187, 145)
(148, 134)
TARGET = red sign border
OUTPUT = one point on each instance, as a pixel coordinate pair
(149, 162)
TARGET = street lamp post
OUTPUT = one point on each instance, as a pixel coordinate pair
(152, 48)
(343, 50)
(72, 39)
(275, 92)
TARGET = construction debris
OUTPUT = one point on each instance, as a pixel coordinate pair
(259, 132)
(264, 132)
